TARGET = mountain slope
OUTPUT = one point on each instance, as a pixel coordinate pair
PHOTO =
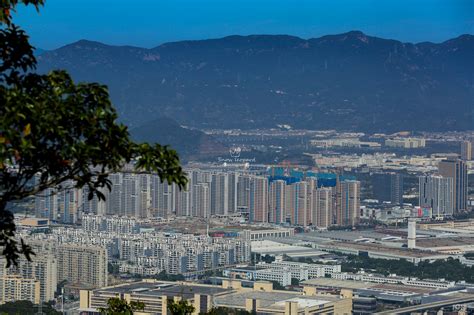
(190, 144)
(348, 81)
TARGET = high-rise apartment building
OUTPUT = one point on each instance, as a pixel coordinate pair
(15, 288)
(348, 202)
(258, 211)
(47, 204)
(297, 202)
(277, 202)
(289, 200)
(130, 194)
(145, 195)
(466, 150)
(183, 200)
(161, 197)
(323, 213)
(436, 192)
(312, 186)
(43, 269)
(243, 193)
(69, 202)
(232, 186)
(396, 188)
(201, 206)
(114, 200)
(457, 170)
(388, 187)
(81, 265)
(219, 194)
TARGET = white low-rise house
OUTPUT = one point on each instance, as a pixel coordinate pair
(393, 279)
(282, 276)
(302, 271)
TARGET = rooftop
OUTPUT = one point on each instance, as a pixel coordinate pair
(159, 288)
(445, 242)
(275, 248)
(340, 284)
(379, 248)
(275, 299)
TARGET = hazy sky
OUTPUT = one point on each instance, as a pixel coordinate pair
(147, 23)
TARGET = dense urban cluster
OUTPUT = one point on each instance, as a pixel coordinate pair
(299, 198)
(81, 258)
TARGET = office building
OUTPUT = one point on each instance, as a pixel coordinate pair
(261, 299)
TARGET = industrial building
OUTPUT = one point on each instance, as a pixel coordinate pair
(262, 298)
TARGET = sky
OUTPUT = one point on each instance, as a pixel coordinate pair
(148, 23)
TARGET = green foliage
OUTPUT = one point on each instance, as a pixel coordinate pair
(113, 268)
(54, 131)
(450, 269)
(117, 306)
(7, 6)
(295, 281)
(268, 259)
(226, 311)
(277, 285)
(163, 276)
(182, 307)
(26, 308)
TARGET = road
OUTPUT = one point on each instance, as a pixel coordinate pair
(428, 306)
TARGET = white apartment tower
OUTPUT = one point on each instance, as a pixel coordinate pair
(436, 192)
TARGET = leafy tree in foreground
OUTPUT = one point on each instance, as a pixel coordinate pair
(182, 307)
(26, 308)
(227, 311)
(54, 131)
(116, 306)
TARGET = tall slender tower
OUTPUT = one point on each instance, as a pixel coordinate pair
(411, 233)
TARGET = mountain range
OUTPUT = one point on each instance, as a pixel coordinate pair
(348, 81)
